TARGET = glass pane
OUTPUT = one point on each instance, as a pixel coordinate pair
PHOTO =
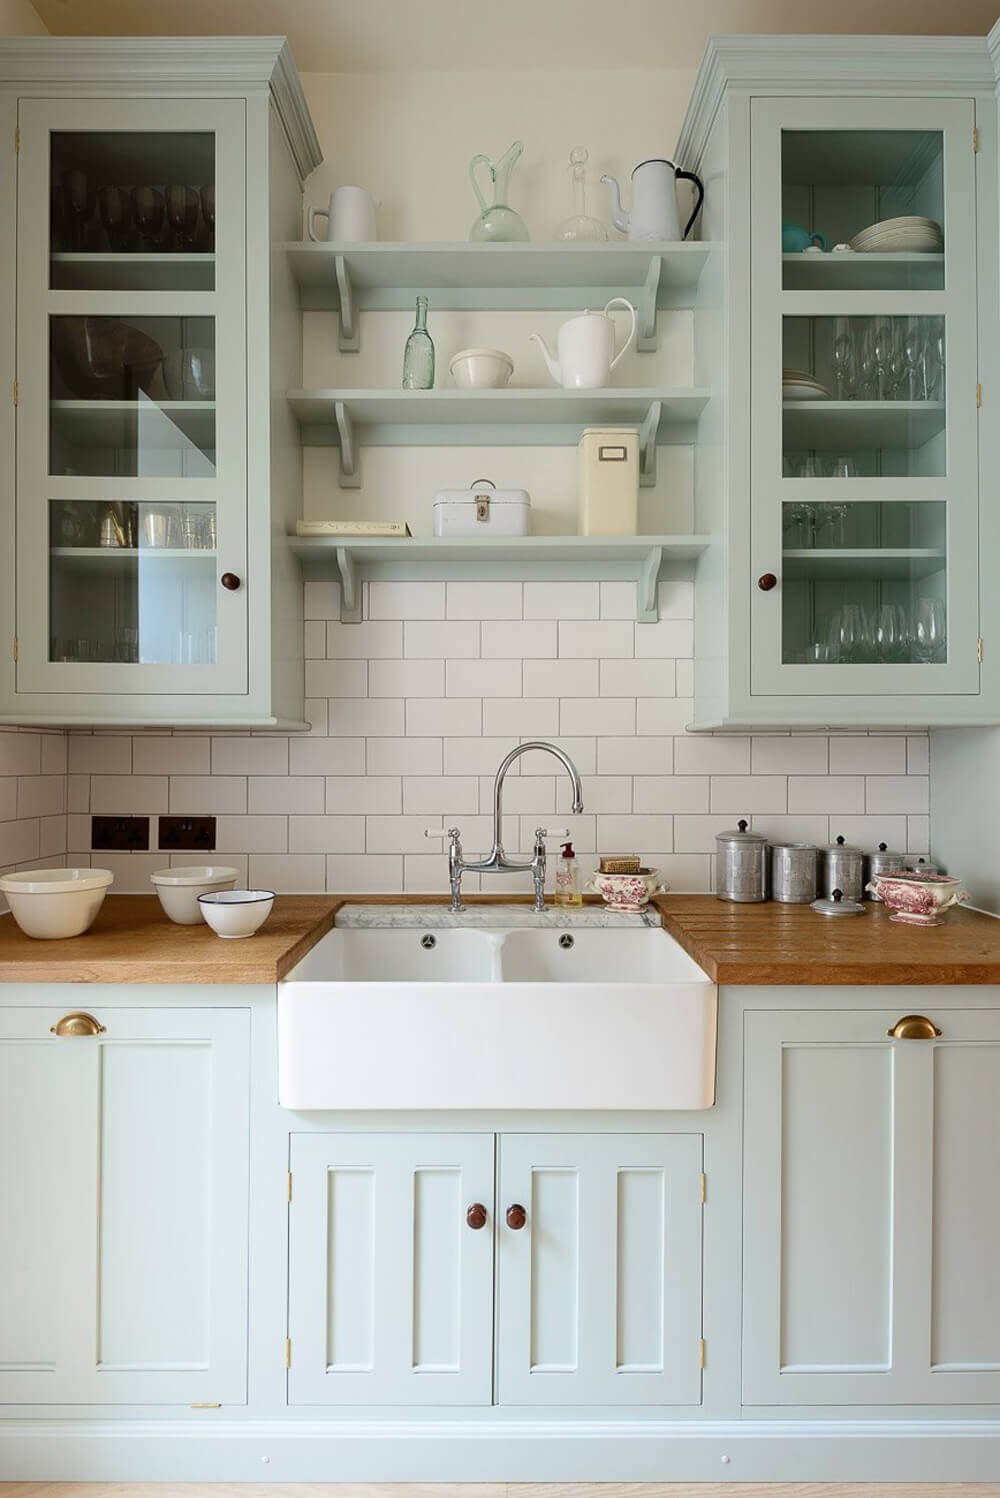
(132, 397)
(132, 581)
(877, 193)
(864, 583)
(133, 210)
(863, 396)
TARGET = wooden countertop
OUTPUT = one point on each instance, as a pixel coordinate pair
(777, 944)
(133, 942)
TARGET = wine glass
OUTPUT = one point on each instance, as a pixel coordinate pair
(847, 635)
(150, 211)
(882, 354)
(929, 635)
(914, 358)
(182, 213)
(936, 360)
(208, 211)
(831, 524)
(80, 199)
(867, 365)
(115, 210)
(843, 358)
(798, 527)
(889, 633)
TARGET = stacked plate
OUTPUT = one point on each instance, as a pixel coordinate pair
(911, 233)
(798, 385)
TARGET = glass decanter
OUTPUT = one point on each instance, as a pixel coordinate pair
(580, 225)
(418, 356)
(498, 223)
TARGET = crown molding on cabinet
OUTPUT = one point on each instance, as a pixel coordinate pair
(181, 64)
(834, 65)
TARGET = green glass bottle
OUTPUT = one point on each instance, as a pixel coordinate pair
(418, 356)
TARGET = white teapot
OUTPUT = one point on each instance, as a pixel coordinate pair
(586, 346)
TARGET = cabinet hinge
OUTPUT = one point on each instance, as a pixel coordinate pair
(15, 647)
(704, 1188)
(701, 1353)
(979, 651)
(207, 1405)
(979, 396)
(288, 1352)
(288, 1186)
(975, 140)
(14, 392)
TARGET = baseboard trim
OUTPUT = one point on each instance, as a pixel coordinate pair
(511, 1451)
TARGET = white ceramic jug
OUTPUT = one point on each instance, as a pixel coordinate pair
(655, 214)
(586, 346)
(350, 218)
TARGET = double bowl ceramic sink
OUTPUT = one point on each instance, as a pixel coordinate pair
(592, 1018)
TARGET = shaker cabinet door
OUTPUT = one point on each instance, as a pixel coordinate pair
(391, 1269)
(599, 1288)
(870, 1210)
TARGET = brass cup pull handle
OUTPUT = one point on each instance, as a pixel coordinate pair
(914, 1027)
(77, 1023)
(476, 1216)
(516, 1217)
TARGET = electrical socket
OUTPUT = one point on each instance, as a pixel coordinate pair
(119, 834)
(179, 834)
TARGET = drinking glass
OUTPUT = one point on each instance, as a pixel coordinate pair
(882, 354)
(798, 527)
(150, 211)
(844, 358)
(182, 213)
(80, 199)
(847, 632)
(929, 633)
(867, 365)
(889, 633)
(936, 359)
(115, 210)
(844, 467)
(914, 358)
(831, 525)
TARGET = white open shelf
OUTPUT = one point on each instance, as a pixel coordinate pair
(860, 425)
(552, 558)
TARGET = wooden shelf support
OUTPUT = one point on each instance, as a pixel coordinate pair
(647, 445)
(350, 587)
(647, 608)
(349, 326)
(350, 456)
(646, 340)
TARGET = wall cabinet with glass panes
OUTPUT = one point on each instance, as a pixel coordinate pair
(841, 469)
(147, 488)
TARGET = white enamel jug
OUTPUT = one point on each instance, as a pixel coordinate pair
(586, 348)
(350, 218)
(655, 214)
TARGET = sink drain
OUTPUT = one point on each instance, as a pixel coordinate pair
(566, 942)
(428, 942)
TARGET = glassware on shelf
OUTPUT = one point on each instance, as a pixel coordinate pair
(182, 213)
(929, 631)
(207, 195)
(848, 633)
(115, 209)
(798, 527)
(580, 226)
(830, 525)
(890, 635)
(80, 199)
(189, 374)
(418, 356)
(497, 223)
(844, 358)
(844, 467)
(150, 210)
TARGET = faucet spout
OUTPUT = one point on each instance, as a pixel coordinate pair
(505, 764)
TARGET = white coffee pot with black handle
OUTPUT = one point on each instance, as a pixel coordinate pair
(655, 211)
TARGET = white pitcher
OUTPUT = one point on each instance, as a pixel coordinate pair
(655, 214)
(350, 218)
(586, 346)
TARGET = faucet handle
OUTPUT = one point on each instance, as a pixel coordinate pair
(541, 833)
(451, 832)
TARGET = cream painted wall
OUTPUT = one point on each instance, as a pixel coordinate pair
(19, 18)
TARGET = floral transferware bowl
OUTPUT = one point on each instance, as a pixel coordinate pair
(627, 891)
(918, 899)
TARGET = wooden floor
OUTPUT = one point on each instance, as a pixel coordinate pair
(498, 1490)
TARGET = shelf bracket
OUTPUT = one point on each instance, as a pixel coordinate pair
(646, 341)
(646, 602)
(350, 459)
(647, 445)
(349, 330)
(350, 587)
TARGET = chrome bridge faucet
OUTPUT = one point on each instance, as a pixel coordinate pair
(498, 862)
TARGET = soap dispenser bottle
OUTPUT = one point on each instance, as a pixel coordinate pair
(567, 878)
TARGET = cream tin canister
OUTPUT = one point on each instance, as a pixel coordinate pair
(481, 510)
(608, 481)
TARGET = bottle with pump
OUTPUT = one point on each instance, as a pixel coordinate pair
(567, 878)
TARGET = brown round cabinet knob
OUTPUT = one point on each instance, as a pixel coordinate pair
(476, 1216)
(230, 580)
(766, 582)
(516, 1217)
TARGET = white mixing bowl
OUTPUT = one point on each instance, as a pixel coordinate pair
(481, 368)
(236, 912)
(178, 889)
(55, 903)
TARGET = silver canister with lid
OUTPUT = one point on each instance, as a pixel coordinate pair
(882, 861)
(842, 868)
(921, 865)
(794, 872)
(741, 865)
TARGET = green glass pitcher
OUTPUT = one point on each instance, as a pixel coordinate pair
(498, 223)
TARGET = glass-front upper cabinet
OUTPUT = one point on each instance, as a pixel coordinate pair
(864, 441)
(131, 433)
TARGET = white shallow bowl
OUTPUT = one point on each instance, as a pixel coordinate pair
(236, 912)
(791, 391)
(55, 903)
(178, 889)
(481, 368)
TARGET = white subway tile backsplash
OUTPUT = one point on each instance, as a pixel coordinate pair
(205, 794)
(580, 600)
(431, 640)
(370, 640)
(661, 716)
(617, 600)
(685, 680)
(650, 678)
(406, 679)
(326, 834)
(406, 834)
(802, 754)
(406, 600)
(445, 795)
(702, 754)
(40, 796)
(535, 795)
(364, 873)
(55, 754)
(484, 600)
(304, 794)
(425, 874)
(251, 756)
(635, 834)
(479, 678)
(742, 794)
(453, 716)
(918, 758)
(800, 827)
(51, 836)
(594, 715)
(293, 873)
(897, 793)
(832, 793)
(582, 751)
(694, 834)
(315, 639)
(918, 834)
(673, 638)
(561, 678)
(409, 756)
(8, 798)
(676, 599)
(581, 831)
(321, 599)
(860, 755)
(684, 873)
(174, 754)
(88, 754)
(527, 639)
(245, 834)
(77, 792)
(663, 793)
(337, 678)
(635, 756)
(132, 870)
(868, 831)
(19, 842)
(133, 794)
(602, 793)
(371, 717)
(315, 710)
(315, 756)
(596, 639)
(521, 717)
(364, 793)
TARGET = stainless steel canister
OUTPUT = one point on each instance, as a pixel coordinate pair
(882, 861)
(842, 868)
(741, 865)
(794, 872)
(922, 865)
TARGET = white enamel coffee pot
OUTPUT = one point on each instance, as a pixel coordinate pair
(655, 214)
(586, 348)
